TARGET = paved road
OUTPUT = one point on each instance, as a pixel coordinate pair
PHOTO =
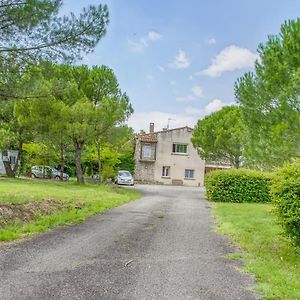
(159, 247)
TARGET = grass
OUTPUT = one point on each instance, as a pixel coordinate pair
(267, 254)
(78, 202)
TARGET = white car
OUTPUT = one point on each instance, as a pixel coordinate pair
(47, 172)
(124, 177)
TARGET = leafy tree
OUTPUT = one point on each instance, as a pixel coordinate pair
(32, 30)
(218, 137)
(270, 100)
(79, 129)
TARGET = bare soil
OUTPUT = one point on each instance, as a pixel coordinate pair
(26, 212)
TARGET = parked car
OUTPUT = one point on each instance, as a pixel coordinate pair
(47, 172)
(124, 177)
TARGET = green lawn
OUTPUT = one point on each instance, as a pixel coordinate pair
(267, 253)
(76, 202)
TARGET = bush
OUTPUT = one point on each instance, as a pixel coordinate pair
(286, 197)
(238, 185)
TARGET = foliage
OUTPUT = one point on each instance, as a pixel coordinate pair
(269, 99)
(218, 136)
(33, 30)
(286, 195)
(266, 252)
(78, 202)
(238, 186)
(38, 154)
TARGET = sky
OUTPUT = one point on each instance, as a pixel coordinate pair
(178, 60)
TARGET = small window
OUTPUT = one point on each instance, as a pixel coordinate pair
(189, 174)
(179, 148)
(166, 171)
(148, 151)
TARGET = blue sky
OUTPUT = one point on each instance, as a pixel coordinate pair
(180, 59)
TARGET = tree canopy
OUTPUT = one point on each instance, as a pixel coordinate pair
(218, 137)
(270, 100)
(33, 30)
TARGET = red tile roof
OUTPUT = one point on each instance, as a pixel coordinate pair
(151, 137)
(148, 139)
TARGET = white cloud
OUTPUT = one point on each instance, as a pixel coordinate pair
(214, 106)
(143, 42)
(161, 68)
(211, 107)
(191, 77)
(149, 77)
(229, 59)
(190, 116)
(140, 121)
(185, 98)
(154, 36)
(181, 61)
(197, 91)
(211, 41)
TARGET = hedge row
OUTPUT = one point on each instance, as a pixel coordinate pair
(238, 185)
(282, 187)
(286, 197)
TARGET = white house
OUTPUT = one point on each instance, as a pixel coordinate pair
(168, 157)
(12, 157)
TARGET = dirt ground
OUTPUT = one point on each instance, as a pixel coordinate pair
(26, 212)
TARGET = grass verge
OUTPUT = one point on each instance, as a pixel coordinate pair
(77, 202)
(267, 254)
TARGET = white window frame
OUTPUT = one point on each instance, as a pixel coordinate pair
(166, 171)
(188, 173)
(175, 149)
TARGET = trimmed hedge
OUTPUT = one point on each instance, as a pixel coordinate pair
(286, 197)
(238, 185)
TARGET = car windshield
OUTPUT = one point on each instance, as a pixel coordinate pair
(125, 174)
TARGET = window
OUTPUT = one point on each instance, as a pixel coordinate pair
(146, 151)
(179, 148)
(189, 174)
(166, 171)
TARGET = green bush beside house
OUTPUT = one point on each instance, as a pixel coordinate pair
(286, 197)
(238, 185)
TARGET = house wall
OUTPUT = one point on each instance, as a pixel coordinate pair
(178, 162)
(152, 171)
(11, 154)
(2, 169)
(144, 170)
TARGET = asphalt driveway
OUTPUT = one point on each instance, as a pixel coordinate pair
(159, 247)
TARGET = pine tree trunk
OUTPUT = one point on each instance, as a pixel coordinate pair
(78, 150)
(8, 169)
(62, 162)
(99, 163)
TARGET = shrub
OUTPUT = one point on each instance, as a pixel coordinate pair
(238, 185)
(286, 197)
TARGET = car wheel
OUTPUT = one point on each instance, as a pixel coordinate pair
(33, 176)
(57, 177)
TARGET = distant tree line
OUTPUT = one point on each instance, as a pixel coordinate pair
(50, 109)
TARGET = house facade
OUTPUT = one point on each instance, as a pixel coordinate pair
(168, 157)
(12, 157)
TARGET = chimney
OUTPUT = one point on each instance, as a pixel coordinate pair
(151, 129)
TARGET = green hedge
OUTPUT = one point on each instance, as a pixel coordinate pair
(238, 185)
(286, 197)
